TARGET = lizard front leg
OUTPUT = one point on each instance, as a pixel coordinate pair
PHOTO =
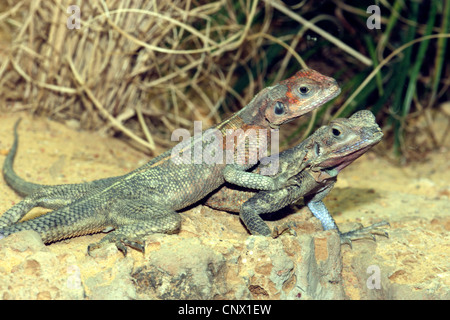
(281, 177)
(267, 202)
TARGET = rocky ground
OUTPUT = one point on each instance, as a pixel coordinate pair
(213, 257)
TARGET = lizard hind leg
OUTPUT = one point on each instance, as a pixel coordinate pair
(135, 219)
(50, 197)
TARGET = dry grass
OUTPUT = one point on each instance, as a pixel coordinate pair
(156, 63)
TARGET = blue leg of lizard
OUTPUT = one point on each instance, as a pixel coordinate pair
(320, 211)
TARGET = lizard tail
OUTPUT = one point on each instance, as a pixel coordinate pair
(21, 186)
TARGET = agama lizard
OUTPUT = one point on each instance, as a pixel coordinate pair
(323, 154)
(146, 200)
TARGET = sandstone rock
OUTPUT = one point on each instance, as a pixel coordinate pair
(33, 272)
(260, 268)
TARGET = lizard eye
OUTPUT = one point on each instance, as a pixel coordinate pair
(336, 132)
(279, 108)
(304, 90)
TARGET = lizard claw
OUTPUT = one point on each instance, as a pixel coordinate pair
(368, 232)
(121, 243)
(285, 227)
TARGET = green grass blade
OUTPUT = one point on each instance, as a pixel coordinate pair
(410, 91)
(440, 53)
(373, 55)
(397, 104)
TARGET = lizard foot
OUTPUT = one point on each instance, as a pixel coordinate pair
(121, 242)
(368, 232)
(282, 228)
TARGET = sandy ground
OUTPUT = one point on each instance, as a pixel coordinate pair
(413, 198)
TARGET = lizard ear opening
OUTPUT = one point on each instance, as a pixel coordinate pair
(317, 149)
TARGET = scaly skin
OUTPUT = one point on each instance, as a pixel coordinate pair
(318, 160)
(145, 200)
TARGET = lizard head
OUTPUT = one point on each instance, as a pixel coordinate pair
(344, 140)
(297, 95)
(290, 99)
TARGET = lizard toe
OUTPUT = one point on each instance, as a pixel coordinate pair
(287, 227)
(92, 247)
(135, 244)
(368, 232)
(120, 241)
